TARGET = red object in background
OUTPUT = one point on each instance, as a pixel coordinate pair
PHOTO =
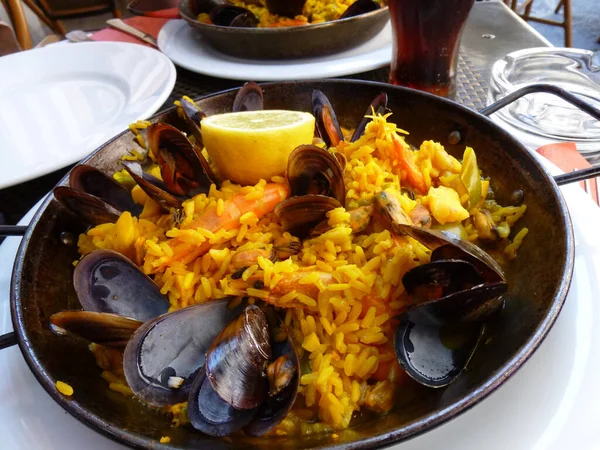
(425, 45)
(567, 158)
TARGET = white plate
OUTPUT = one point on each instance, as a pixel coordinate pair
(551, 403)
(186, 48)
(58, 103)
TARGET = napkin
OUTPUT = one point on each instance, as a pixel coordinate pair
(149, 25)
(567, 158)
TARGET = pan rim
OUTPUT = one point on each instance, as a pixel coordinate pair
(409, 431)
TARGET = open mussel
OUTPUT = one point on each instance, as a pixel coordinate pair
(377, 106)
(205, 6)
(94, 197)
(116, 298)
(451, 295)
(106, 281)
(326, 122)
(88, 179)
(237, 388)
(313, 170)
(299, 215)
(165, 355)
(181, 168)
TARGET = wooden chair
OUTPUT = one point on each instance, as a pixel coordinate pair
(58, 10)
(16, 14)
(524, 10)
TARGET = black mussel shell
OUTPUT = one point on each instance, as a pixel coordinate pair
(377, 106)
(90, 180)
(212, 415)
(205, 6)
(467, 251)
(281, 396)
(435, 356)
(173, 346)
(224, 15)
(153, 187)
(89, 208)
(102, 328)
(473, 304)
(287, 8)
(313, 170)
(106, 281)
(236, 361)
(249, 98)
(299, 215)
(429, 282)
(360, 7)
(180, 166)
(193, 117)
(326, 123)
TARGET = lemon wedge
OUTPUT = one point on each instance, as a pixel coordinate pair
(250, 145)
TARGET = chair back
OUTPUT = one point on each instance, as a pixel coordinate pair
(18, 20)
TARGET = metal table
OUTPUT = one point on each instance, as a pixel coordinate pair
(492, 31)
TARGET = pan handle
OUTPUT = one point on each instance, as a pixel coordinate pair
(12, 230)
(542, 87)
(8, 340)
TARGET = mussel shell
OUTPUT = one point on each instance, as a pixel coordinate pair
(173, 344)
(360, 7)
(89, 208)
(102, 328)
(106, 281)
(249, 98)
(458, 249)
(377, 106)
(90, 180)
(224, 15)
(180, 166)
(299, 215)
(277, 405)
(467, 251)
(212, 415)
(473, 304)
(287, 8)
(442, 277)
(326, 122)
(153, 187)
(193, 117)
(236, 361)
(434, 356)
(313, 170)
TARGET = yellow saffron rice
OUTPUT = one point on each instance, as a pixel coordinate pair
(339, 293)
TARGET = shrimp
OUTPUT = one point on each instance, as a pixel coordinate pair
(237, 206)
(413, 174)
(233, 210)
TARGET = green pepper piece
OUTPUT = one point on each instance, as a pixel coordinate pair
(469, 175)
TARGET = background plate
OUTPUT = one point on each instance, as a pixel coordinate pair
(185, 47)
(59, 103)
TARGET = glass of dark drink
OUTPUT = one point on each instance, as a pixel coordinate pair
(425, 45)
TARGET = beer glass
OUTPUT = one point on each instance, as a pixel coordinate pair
(425, 43)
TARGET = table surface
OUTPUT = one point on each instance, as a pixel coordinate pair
(491, 32)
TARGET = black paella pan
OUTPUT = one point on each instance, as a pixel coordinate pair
(538, 279)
